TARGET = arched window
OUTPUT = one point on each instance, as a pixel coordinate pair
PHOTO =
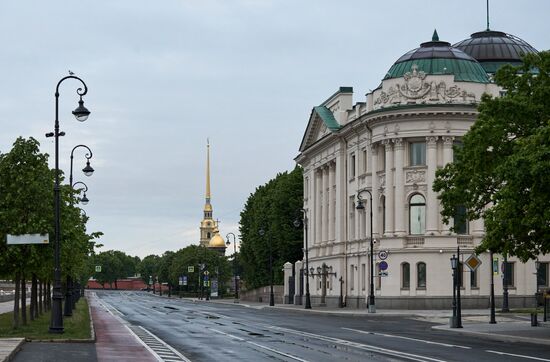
(208, 235)
(405, 276)
(421, 275)
(417, 215)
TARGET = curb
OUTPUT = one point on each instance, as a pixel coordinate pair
(18, 347)
(496, 337)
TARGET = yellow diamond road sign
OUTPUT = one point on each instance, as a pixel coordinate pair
(473, 262)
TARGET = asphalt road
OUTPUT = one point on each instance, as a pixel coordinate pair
(183, 330)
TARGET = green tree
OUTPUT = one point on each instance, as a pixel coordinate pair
(273, 207)
(501, 172)
(26, 199)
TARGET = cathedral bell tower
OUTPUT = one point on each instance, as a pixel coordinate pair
(208, 224)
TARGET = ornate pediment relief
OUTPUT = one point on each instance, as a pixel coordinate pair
(415, 88)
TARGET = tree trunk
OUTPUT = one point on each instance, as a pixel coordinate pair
(40, 300)
(34, 295)
(16, 302)
(49, 295)
(23, 300)
(31, 306)
(116, 284)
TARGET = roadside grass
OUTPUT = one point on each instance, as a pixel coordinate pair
(76, 327)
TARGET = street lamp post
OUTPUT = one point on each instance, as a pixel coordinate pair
(361, 206)
(505, 307)
(271, 295)
(306, 252)
(454, 262)
(234, 264)
(71, 295)
(458, 285)
(492, 296)
(81, 114)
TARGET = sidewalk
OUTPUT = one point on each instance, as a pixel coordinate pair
(510, 327)
(113, 341)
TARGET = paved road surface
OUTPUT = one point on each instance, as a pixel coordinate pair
(180, 330)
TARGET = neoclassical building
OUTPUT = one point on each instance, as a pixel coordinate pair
(391, 145)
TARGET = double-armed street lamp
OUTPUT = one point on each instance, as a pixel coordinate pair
(298, 223)
(361, 206)
(234, 264)
(271, 295)
(70, 297)
(81, 114)
(323, 271)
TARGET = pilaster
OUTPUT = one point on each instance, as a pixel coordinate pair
(432, 203)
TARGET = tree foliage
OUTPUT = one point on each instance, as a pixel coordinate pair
(501, 172)
(273, 207)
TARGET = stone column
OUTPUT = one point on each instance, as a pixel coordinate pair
(447, 158)
(325, 204)
(374, 190)
(318, 205)
(331, 203)
(399, 188)
(287, 268)
(432, 203)
(389, 207)
(340, 196)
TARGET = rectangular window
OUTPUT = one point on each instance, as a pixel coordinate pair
(473, 279)
(352, 211)
(417, 153)
(405, 276)
(363, 277)
(509, 274)
(351, 277)
(421, 275)
(460, 221)
(352, 166)
(457, 145)
(365, 160)
(542, 275)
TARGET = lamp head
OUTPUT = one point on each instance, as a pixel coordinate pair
(84, 200)
(81, 113)
(454, 261)
(297, 223)
(88, 170)
(261, 232)
(227, 243)
(360, 205)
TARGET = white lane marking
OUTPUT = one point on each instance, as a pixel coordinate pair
(227, 334)
(391, 352)
(278, 352)
(407, 338)
(144, 344)
(518, 355)
(167, 345)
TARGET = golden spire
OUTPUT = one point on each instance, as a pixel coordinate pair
(207, 206)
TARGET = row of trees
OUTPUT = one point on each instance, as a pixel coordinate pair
(167, 268)
(273, 208)
(501, 172)
(26, 207)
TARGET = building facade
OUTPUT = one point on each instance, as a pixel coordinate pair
(391, 146)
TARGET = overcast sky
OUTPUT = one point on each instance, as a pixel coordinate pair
(165, 75)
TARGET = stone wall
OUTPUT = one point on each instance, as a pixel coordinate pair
(261, 295)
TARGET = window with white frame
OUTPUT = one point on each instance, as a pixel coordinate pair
(421, 275)
(417, 153)
(417, 215)
(405, 275)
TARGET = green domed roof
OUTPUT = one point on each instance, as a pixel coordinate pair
(439, 57)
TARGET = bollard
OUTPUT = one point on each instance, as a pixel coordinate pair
(534, 321)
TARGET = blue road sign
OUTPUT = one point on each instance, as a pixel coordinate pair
(383, 265)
